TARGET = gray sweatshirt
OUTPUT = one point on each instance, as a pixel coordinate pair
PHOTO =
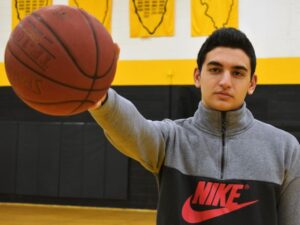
(214, 168)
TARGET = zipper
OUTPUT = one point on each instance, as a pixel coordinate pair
(223, 131)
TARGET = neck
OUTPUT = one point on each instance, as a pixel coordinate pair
(211, 120)
(214, 109)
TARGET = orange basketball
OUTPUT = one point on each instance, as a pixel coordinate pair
(60, 60)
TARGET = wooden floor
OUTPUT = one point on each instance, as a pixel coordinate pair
(26, 214)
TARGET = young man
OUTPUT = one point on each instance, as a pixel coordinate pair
(220, 166)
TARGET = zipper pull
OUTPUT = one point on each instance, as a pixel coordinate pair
(223, 123)
(223, 130)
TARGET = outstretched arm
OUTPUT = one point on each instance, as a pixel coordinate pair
(132, 134)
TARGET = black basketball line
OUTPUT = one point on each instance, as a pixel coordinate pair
(98, 54)
(67, 50)
(97, 57)
(86, 99)
(29, 56)
(48, 78)
(95, 36)
(41, 20)
(40, 33)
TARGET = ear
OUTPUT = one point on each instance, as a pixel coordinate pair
(197, 78)
(253, 84)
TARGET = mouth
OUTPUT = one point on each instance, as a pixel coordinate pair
(223, 94)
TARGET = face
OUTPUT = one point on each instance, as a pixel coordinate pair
(225, 79)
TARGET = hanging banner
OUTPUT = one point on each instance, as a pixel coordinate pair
(151, 18)
(101, 9)
(208, 15)
(22, 8)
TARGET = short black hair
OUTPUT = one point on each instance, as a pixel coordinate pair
(231, 38)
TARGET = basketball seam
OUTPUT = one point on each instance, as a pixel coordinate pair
(93, 77)
(67, 50)
(69, 53)
(50, 79)
(29, 56)
(97, 60)
(109, 68)
(37, 30)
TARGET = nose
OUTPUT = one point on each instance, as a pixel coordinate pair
(225, 80)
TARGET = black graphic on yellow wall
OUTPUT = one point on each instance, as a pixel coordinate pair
(208, 15)
(151, 18)
(22, 8)
(101, 9)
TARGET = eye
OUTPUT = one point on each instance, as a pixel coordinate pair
(238, 73)
(214, 70)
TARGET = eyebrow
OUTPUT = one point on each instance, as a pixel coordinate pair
(216, 63)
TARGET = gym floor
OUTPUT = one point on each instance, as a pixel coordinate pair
(27, 214)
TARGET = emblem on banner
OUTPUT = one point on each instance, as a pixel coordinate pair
(152, 18)
(214, 16)
(208, 15)
(22, 8)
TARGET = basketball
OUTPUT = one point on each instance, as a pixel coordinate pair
(60, 60)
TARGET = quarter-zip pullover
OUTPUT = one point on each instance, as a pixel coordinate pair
(213, 168)
(223, 130)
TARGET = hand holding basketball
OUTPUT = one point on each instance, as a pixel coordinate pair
(60, 60)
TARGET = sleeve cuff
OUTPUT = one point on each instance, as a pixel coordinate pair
(107, 105)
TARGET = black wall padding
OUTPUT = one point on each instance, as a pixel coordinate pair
(90, 165)
(113, 180)
(38, 159)
(8, 149)
(27, 159)
(49, 158)
(72, 160)
(94, 161)
(153, 102)
(101, 177)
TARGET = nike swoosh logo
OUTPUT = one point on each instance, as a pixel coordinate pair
(193, 216)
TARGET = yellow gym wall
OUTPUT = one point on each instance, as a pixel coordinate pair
(180, 72)
(171, 60)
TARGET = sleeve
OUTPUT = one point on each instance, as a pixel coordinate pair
(136, 137)
(289, 205)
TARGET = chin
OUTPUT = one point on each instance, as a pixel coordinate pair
(224, 106)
